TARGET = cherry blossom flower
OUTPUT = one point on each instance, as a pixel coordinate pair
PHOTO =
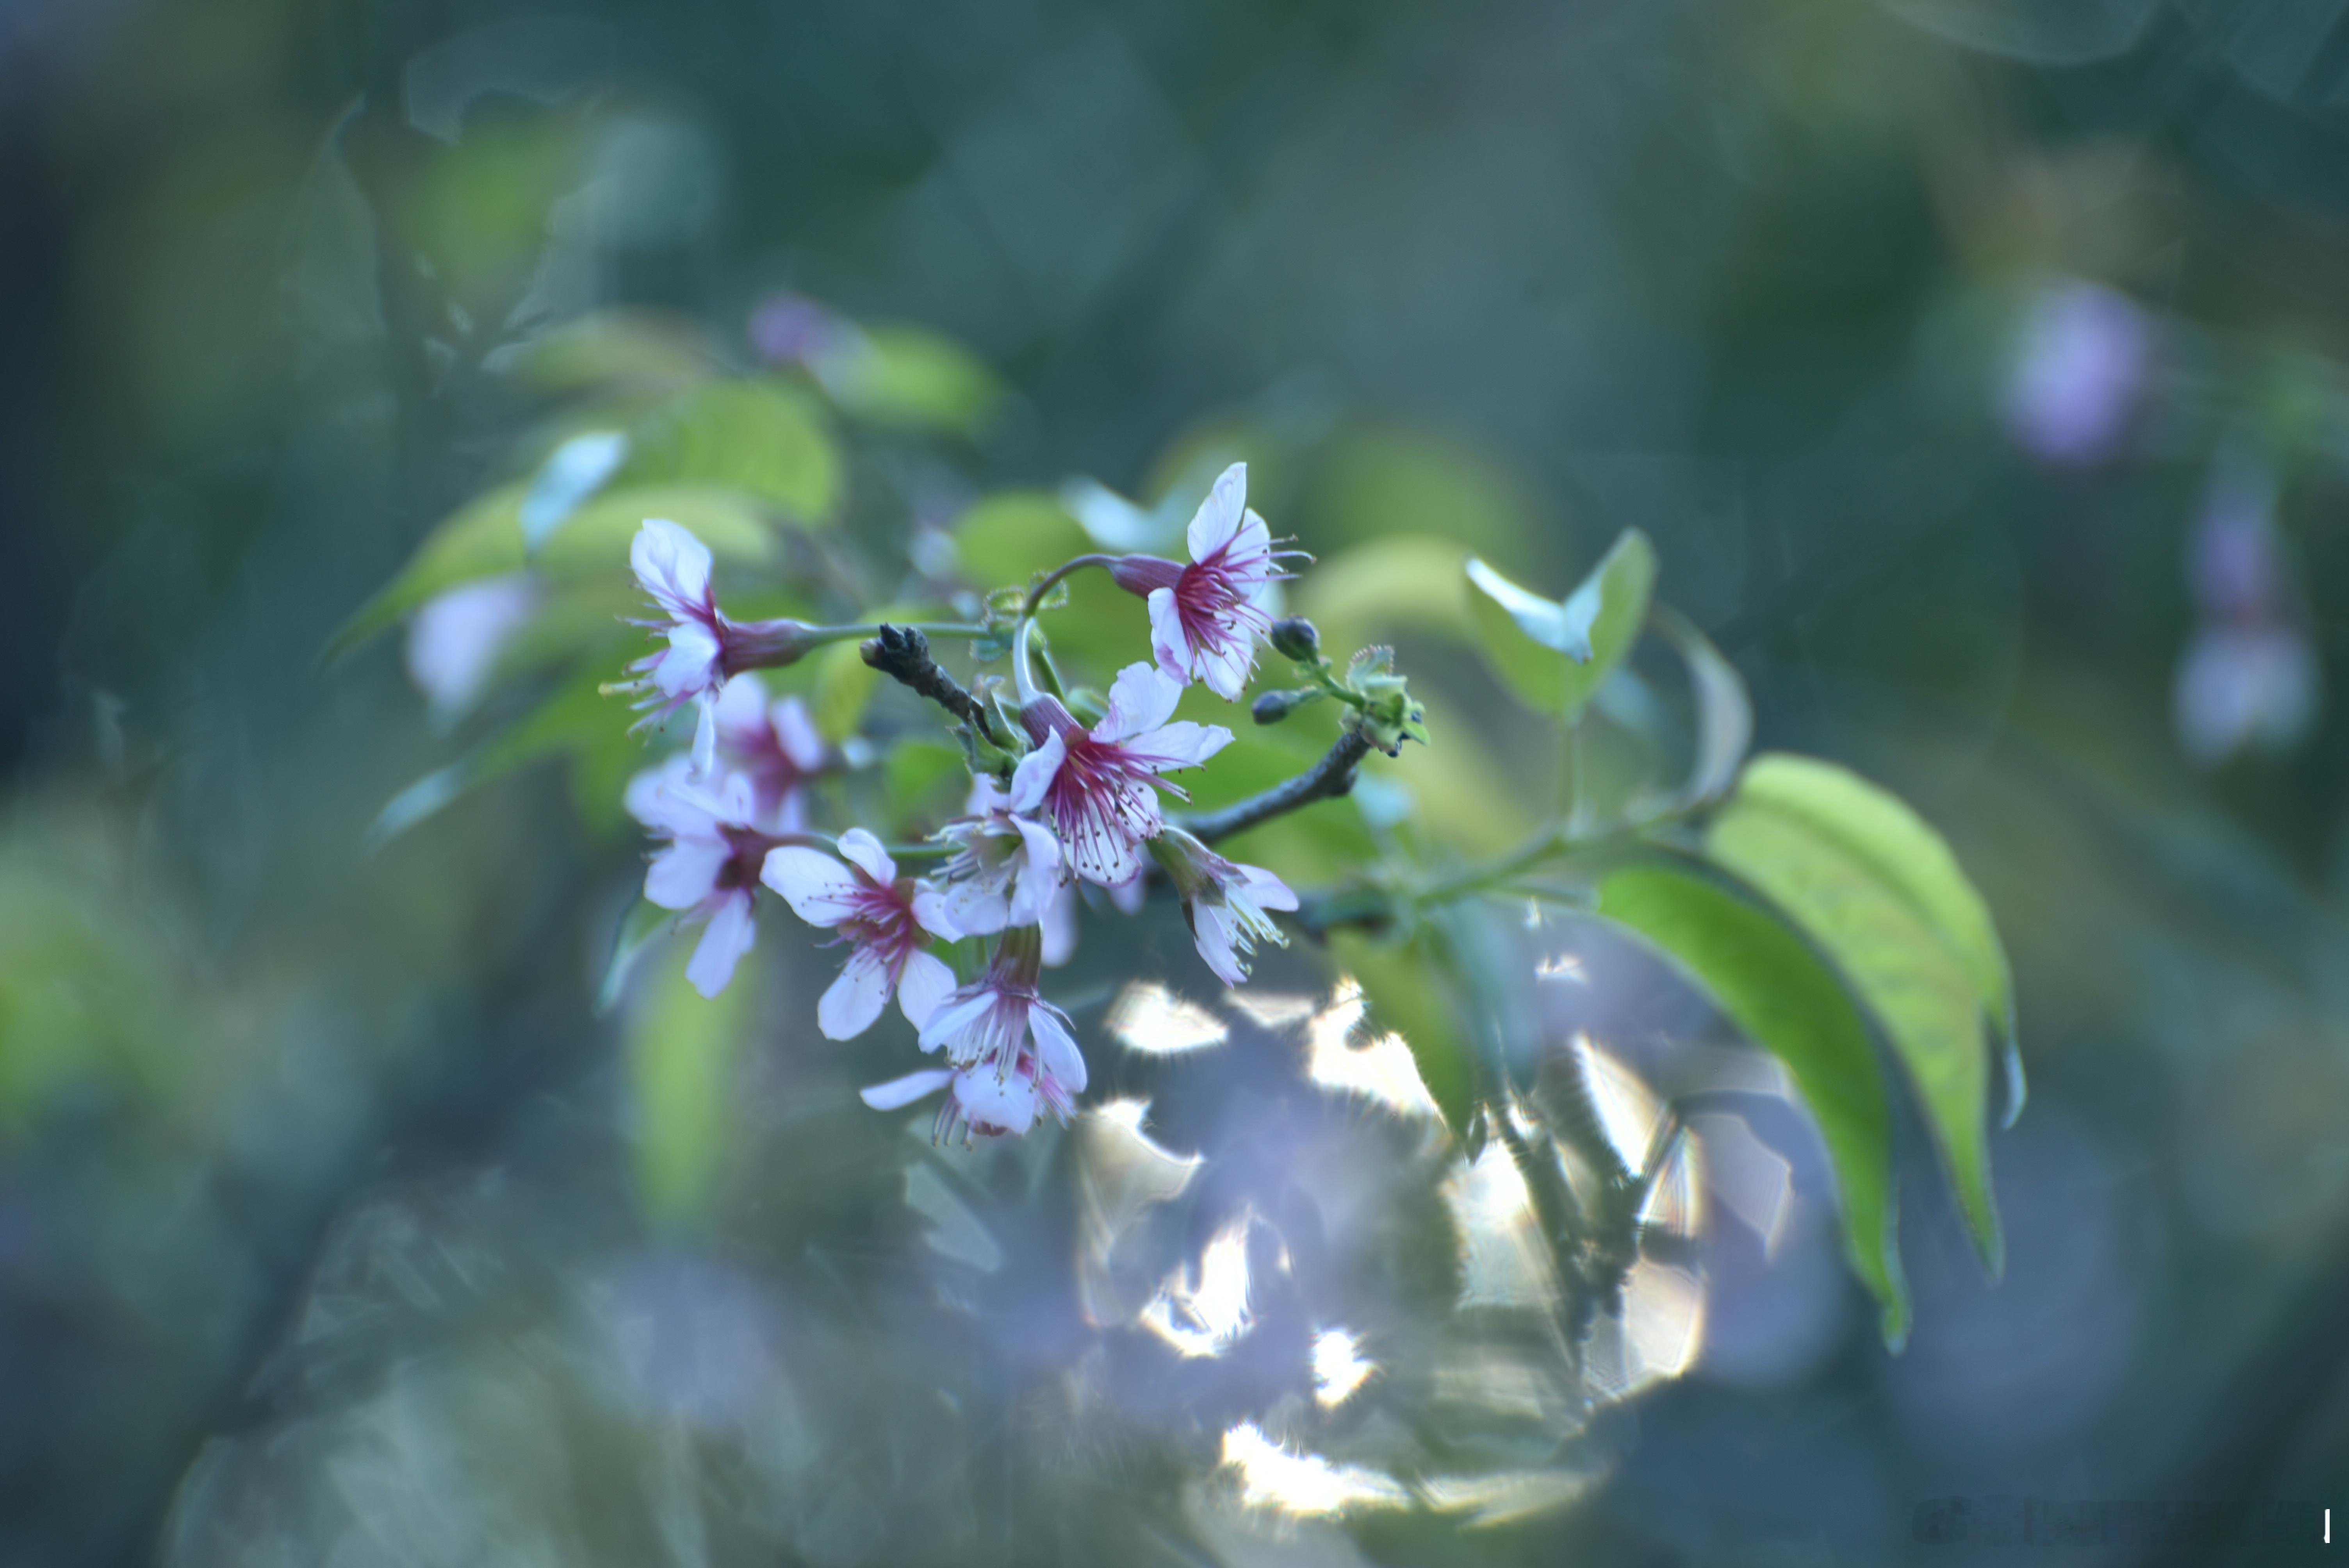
(454, 643)
(1095, 786)
(998, 1023)
(1223, 903)
(887, 919)
(775, 745)
(979, 1101)
(1006, 870)
(704, 647)
(709, 866)
(1205, 618)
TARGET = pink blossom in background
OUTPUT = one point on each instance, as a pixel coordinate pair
(455, 640)
(2085, 356)
(773, 744)
(708, 865)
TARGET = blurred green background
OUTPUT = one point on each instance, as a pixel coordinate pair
(1934, 341)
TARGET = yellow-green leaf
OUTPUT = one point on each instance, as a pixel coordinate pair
(1903, 972)
(682, 1051)
(764, 438)
(1905, 851)
(908, 376)
(1768, 983)
(1541, 656)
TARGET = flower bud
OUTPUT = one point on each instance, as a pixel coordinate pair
(1273, 706)
(1295, 637)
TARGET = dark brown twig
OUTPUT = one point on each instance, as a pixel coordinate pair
(903, 653)
(1326, 780)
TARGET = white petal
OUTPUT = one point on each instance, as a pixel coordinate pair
(848, 1008)
(455, 640)
(742, 713)
(670, 563)
(1213, 933)
(1219, 516)
(1168, 641)
(973, 907)
(1226, 666)
(925, 982)
(1035, 771)
(1249, 559)
(1056, 1048)
(685, 873)
(1141, 698)
(705, 736)
(1267, 891)
(1181, 744)
(1006, 1105)
(860, 847)
(1127, 896)
(904, 1091)
(1043, 848)
(729, 935)
(820, 890)
(935, 915)
(797, 732)
(956, 1013)
(657, 797)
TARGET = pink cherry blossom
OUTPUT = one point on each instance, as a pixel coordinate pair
(1205, 618)
(775, 745)
(998, 1023)
(1096, 787)
(704, 647)
(887, 919)
(1006, 870)
(709, 866)
(980, 1101)
(1223, 903)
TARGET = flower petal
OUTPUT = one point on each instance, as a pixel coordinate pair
(925, 982)
(935, 914)
(1225, 666)
(1182, 744)
(997, 1105)
(1141, 700)
(797, 733)
(1267, 891)
(1168, 641)
(672, 565)
(1059, 920)
(1056, 1048)
(848, 1008)
(1036, 772)
(1219, 516)
(956, 1013)
(729, 935)
(820, 890)
(903, 1091)
(685, 873)
(860, 847)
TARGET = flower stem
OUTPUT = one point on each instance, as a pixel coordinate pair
(1045, 584)
(1331, 777)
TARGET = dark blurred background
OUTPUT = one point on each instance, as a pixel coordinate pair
(1974, 364)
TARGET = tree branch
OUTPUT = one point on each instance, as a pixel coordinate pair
(1326, 780)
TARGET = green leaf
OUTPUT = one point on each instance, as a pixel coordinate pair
(1542, 662)
(1906, 976)
(1406, 580)
(764, 438)
(615, 349)
(1878, 828)
(574, 717)
(1405, 986)
(918, 774)
(1543, 620)
(1724, 714)
(1768, 983)
(845, 684)
(1007, 539)
(641, 930)
(484, 539)
(682, 1049)
(911, 377)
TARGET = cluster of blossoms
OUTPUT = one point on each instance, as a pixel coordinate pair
(1069, 804)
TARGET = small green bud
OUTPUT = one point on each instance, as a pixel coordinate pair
(1295, 637)
(1272, 707)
